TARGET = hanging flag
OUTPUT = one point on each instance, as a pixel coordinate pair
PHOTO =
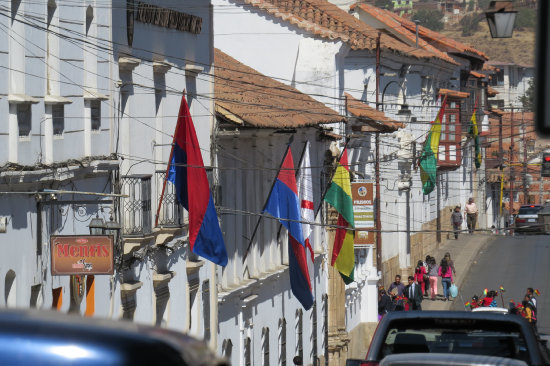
(428, 159)
(537, 292)
(305, 190)
(475, 134)
(283, 204)
(187, 173)
(339, 196)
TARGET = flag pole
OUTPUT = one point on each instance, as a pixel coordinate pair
(168, 168)
(332, 177)
(265, 204)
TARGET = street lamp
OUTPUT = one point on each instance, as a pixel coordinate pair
(112, 228)
(97, 225)
(501, 17)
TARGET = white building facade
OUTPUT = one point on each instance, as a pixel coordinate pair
(91, 104)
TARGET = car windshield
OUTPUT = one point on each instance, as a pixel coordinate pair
(529, 210)
(470, 339)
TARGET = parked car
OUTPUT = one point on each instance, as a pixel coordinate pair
(456, 332)
(39, 337)
(527, 219)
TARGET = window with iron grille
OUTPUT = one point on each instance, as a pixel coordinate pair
(206, 308)
(282, 342)
(95, 113)
(136, 208)
(58, 119)
(299, 334)
(247, 352)
(171, 212)
(24, 119)
(227, 349)
(314, 331)
(265, 346)
(325, 327)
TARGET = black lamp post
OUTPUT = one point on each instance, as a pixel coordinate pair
(97, 225)
(501, 17)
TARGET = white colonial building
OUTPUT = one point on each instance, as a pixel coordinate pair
(90, 99)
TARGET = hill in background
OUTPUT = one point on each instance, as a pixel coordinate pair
(520, 49)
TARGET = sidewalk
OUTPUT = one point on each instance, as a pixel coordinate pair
(463, 252)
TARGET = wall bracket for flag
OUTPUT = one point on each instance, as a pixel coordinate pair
(266, 201)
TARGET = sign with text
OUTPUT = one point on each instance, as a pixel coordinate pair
(82, 254)
(362, 194)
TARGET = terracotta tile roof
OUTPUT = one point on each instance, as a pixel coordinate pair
(454, 93)
(487, 67)
(371, 116)
(396, 27)
(497, 111)
(491, 91)
(326, 20)
(448, 44)
(247, 97)
(477, 74)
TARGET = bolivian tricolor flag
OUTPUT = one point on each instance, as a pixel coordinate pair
(428, 159)
(339, 196)
(475, 134)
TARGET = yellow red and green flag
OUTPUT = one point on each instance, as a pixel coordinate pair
(474, 132)
(428, 159)
(339, 196)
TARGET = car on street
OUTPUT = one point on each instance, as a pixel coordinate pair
(456, 332)
(47, 337)
(527, 219)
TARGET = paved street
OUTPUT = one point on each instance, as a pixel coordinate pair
(514, 262)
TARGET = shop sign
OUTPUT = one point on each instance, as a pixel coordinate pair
(82, 254)
(168, 18)
(363, 211)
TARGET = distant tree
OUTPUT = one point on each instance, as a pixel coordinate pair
(470, 24)
(471, 5)
(384, 4)
(432, 19)
(528, 99)
(526, 19)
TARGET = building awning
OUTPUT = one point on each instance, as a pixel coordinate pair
(372, 119)
(454, 93)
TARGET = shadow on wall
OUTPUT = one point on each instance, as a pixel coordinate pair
(16, 212)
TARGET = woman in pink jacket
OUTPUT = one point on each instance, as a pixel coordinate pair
(446, 273)
(419, 273)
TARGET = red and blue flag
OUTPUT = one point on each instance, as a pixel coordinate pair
(283, 203)
(188, 174)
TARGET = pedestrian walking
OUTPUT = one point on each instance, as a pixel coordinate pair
(427, 277)
(419, 275)
(446, 274)
(397, 285)
(385, 305)
(470, 213)
(450, 262)
(413, 295)
(456, 221)
(433, 273)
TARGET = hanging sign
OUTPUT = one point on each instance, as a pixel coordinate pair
(362, 194)
(82, 254)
